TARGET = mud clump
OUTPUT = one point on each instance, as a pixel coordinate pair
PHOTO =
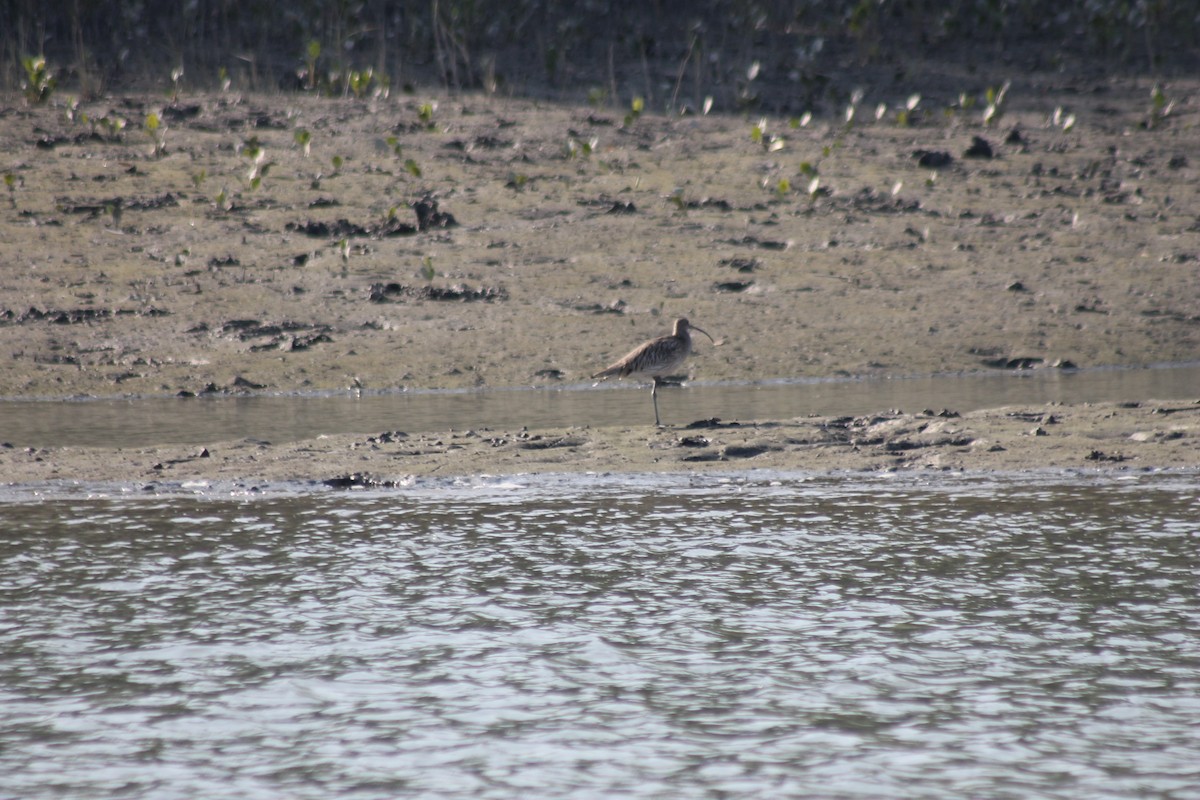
(397, 292)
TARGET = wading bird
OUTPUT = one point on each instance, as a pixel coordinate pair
(655, 358)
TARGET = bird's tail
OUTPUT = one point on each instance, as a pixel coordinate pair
(608, 372)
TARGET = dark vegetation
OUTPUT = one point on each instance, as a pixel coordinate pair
(673, 53)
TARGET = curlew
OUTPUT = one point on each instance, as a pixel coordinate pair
(655, 358)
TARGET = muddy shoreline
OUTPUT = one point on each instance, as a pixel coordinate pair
(1085, 438)
(450, 242)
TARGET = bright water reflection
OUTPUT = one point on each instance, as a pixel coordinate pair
(658, 636)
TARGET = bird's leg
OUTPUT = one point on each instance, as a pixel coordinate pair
(654, 397)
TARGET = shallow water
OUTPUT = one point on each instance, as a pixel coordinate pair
(583, 636)
(151, 421)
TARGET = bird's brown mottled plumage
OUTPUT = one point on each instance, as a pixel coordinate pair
(655, 358)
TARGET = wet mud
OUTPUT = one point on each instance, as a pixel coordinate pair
(286, 243)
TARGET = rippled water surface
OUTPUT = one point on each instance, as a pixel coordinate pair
(644, 636)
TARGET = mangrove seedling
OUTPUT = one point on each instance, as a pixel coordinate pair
(39, 81)
(10, 181)
(359, 81)
(112, 125)
(1160, 106)
(759, 132)
(769, 142)
(312, 53)
(157, 131)
(1061, 120)
(176, 78)
(256, 155)
(636, 107)
(578, 147)
(904, 115)
(304, 140)
(411, 168)
(995, 103)
(115, 210)
(425, 114)
(427, 268)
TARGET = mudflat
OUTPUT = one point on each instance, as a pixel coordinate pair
(286, 243)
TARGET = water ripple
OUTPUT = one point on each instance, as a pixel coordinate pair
(642, 636)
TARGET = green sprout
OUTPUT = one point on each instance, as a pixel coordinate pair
(359, 81)
(427, 268)
(10, 181)
(995, 103)
(425, 114)
(769, 142)
(1160, 106)
(313, 52)
(759, 132)
(113, 125)
(904, 115)
(337, 162)
(157, 131)
(394, 143)
(304, 139)
(579, 147)
(224, 79)
(635, 110)
(800, 121)
(198, 178)
(39, 82)
(411, 167)
(256, 155)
